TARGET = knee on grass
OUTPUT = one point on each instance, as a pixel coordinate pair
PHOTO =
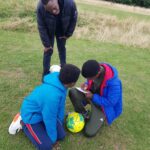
(46, 146)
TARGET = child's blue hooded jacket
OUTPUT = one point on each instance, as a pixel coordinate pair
(111, 100)
(46, 103)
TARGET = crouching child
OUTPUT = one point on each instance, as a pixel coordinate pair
(42, 111)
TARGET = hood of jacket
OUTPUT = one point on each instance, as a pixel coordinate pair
(53, 79)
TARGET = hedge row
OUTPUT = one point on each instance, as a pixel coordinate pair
(142, 3)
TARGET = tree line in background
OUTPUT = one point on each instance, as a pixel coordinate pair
(142, 3)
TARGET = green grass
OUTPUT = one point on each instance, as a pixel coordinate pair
(21, 70)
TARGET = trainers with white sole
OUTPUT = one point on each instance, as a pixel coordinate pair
(15, 126)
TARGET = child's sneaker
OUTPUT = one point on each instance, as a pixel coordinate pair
(15, 126)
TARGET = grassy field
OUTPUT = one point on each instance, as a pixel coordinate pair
(112, 35)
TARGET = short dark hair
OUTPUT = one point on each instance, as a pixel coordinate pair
(69, 74)
(90, 68)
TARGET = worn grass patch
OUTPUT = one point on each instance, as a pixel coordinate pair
(109, 28)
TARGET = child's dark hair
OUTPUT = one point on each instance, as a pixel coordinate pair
(69, 74)
(90, 68)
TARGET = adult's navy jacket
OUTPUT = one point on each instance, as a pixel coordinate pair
(46, 103)
(62, 24)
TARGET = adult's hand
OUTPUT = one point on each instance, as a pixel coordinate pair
(47, 48)
(63, 37)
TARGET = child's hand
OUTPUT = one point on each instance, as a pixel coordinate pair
(56, 146)
(84, 86)
(89, 96)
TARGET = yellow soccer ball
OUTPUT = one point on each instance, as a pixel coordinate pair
(75, 122)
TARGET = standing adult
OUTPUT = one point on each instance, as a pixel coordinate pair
(55, 18)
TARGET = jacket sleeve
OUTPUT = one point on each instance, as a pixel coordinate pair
(49, 113)
(43, 29)
(113, 95)
(61, 110)
(73, 20)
